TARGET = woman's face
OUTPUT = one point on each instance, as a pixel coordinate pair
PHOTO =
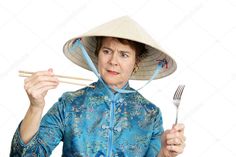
(115, 62)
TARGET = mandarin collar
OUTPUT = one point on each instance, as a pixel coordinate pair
(102, 87)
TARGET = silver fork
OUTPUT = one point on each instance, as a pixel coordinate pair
(176, 100)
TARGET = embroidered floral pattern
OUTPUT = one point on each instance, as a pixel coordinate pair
(81, 119)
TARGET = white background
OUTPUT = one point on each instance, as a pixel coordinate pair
(199, 34)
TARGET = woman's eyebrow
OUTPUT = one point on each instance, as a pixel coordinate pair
(122, 51)
(104, 47)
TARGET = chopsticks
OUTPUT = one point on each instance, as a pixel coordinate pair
(62, 78)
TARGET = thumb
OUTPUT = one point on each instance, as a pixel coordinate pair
(50, 70)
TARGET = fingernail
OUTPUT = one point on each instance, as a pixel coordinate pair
(50, 70)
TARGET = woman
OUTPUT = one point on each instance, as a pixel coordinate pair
(111, 119)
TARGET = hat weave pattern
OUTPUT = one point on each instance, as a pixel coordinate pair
(125, 28)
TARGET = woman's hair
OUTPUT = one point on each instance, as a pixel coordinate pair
(139, 48)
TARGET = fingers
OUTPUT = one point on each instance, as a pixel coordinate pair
(175, 134)
(39, 77)
(40, 89)
(37, 86)
(178, 127)
(176, 149)
(175, 139)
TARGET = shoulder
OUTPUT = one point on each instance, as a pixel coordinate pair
(143, 111)
(139, 103)
(141, 100)
(74, 101)
(71, 96)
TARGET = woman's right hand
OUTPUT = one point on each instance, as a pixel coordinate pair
(37, 86)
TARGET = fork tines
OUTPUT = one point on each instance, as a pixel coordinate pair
(178, 92)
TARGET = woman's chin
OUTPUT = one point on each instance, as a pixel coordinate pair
(112, 83)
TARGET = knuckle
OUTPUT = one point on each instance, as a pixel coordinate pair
(26, 87)
(35, 95)
(176, 140)
(28, 91)
(36, 74)
(38, 77)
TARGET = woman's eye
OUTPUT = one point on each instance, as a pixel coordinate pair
(105, 51)
(125, 55)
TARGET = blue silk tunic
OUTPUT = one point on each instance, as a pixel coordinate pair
(92, 122)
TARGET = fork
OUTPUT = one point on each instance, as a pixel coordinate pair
(176, 100)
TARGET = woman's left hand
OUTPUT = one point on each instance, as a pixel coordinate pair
(173, 141)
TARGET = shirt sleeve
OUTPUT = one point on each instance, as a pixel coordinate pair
(155, 143)
(49, 135)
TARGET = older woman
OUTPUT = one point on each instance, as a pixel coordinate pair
(111, 119)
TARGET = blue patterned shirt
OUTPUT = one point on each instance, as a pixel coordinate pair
(92, 122)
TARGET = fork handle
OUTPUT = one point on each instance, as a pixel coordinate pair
(177, 115)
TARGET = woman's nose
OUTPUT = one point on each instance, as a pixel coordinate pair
(113, 60)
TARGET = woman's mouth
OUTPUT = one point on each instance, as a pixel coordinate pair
(112, 72)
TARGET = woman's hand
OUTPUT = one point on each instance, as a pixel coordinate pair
(37, 86)
(173, 141)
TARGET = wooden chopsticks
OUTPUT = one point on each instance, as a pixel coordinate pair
(62, 78)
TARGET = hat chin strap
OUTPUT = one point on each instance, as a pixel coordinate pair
(90, 63)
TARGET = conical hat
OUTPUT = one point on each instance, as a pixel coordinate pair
(126, 28)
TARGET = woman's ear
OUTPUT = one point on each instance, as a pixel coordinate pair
(136, 67)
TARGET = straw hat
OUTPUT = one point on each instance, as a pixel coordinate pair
(123, 27)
